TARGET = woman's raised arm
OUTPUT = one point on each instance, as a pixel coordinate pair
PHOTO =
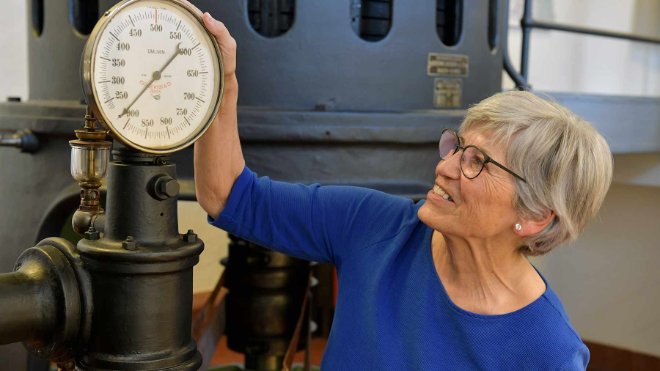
(218, 155)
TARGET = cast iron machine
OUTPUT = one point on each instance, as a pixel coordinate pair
(122, 298)
(342, 92)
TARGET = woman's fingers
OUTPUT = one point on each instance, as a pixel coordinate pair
(216, 27)
(219, 31)
(225, 41)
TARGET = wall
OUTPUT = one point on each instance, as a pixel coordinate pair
(207, 271)
(13, 50)
(561, 61)
(609, 278)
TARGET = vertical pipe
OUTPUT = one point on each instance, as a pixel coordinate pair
(521, 82)
(143, 309)
(526, 30)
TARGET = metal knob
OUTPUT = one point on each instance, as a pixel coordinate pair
(23, 139)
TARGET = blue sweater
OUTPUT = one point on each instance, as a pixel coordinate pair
(393, 312)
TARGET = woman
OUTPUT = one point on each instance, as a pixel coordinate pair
(444, 283)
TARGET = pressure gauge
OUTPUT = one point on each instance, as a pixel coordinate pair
(152, 74)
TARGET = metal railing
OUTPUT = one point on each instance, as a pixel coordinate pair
(527, 23)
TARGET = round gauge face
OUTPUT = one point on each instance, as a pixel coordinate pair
(153, 73)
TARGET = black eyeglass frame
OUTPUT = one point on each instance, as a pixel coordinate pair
(487, 159)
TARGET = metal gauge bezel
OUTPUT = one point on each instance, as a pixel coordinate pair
(87, 67)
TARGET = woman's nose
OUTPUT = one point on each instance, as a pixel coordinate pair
(450, 166)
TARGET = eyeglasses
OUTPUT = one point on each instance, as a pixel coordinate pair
(473, 159)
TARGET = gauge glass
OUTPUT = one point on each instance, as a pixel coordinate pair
(155, 74)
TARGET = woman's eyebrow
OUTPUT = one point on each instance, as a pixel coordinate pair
(463, 144)
(485, 152)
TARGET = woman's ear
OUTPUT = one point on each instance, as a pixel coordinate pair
(529, 227)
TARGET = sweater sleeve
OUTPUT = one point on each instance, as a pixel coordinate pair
(578, 360)
(313, 222)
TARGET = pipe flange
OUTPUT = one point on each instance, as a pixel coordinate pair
(66, 268)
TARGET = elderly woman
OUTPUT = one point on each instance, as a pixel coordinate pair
(444, 283)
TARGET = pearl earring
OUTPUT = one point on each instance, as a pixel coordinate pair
(518, 227)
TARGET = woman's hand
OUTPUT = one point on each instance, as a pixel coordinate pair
(225, 41)
(218, 155)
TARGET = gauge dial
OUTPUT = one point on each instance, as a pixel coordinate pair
(153, 74)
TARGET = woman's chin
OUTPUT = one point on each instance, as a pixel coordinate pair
(431, 218)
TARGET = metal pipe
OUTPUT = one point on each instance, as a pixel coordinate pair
(27, 306)
(41, 301)
(526, 34)
(531, 23)
(23, 139)
(527, 23)
(521, 82)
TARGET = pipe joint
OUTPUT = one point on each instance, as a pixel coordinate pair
(82, 220)
(46, 301)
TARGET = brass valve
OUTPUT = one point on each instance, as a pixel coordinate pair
(90, 154)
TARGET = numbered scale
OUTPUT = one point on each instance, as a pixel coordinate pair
(152, 74)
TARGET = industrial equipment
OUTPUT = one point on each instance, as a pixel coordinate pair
(122, 298)
(153, 75)
(341, 92)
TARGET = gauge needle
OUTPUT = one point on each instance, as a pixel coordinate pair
(155, 76)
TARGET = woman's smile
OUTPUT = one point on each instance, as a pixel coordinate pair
(442, 193)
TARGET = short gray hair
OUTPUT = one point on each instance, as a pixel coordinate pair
(566, 162)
